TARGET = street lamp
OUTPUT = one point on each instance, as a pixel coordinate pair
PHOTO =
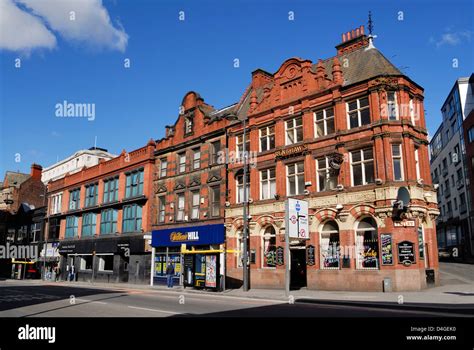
(45, 244)
(245, 260)
(245, 232)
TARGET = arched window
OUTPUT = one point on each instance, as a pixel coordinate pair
(329, 242)
(269, 247)
(367, 244)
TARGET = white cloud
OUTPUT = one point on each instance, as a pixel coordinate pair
(85, 22)
(21, 31)
(452, 38)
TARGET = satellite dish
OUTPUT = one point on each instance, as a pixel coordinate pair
(403, 197)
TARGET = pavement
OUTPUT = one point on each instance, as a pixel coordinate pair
(454, 297)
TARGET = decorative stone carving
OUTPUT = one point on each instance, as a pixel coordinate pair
(343, 215)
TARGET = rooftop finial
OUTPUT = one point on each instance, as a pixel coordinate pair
(371, 37)
(370, 23)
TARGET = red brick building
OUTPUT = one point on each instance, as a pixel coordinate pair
(100, 216)
(17, 188)
(189, 188)
(345, 134)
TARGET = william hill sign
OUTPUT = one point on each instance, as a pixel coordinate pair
(192, 235)
(291, 152)
(184, 237)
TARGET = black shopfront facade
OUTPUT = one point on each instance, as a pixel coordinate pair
(106, 259)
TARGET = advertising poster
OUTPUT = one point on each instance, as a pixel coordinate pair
(211, 271)
(386, 249)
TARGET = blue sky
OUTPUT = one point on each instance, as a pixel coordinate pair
(170, 57)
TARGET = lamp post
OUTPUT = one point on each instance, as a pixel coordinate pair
(245, 264)
(245, 255)
(45, 244)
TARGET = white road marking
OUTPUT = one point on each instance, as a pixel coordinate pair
(91, 301)
(155, 310)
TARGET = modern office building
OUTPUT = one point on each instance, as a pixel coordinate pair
(449, 170)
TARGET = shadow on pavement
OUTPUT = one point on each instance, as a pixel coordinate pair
(12, 297)
(312, 310)
(465, 309)
(461, 293)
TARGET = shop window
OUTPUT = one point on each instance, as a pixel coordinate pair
(294, 130)
(106, 262)
(86, 262)
(362, 165)
(269, 247)
(327, 180)
(134, 183)
(367, 244)
(267, 183)
(295, 178)
(267, 138)
(358, 112)
(132, 218)
(324, 120)
(329, 238)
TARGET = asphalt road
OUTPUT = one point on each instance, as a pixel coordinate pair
(19, 299)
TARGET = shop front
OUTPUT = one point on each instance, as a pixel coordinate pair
(196, 253)
(111, 260)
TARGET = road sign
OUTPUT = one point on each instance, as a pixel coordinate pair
(297, 218)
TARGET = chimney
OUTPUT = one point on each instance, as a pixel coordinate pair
(352, 40)
(36, 170)
(260, 78)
